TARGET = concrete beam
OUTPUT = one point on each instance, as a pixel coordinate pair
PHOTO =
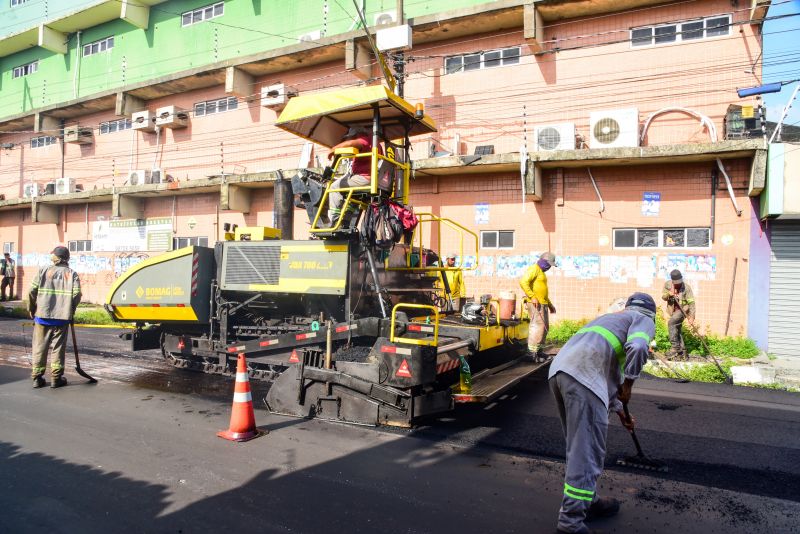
(135, 14)
(533, 27)
(45, 123)
(51, 40)
(239, 83)
(126, 105)
(758, 10)
(758, 174)
(357, 59)
(126, 207)
(533, 181)
(235, 198)
(45, 213)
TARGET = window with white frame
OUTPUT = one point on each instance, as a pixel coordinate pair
(98, 46)
(108, 127)
(18, 2)
(497, 239)
(662, 237)
(203, 13)
(24, 70)
(180, 242)
(8, 247)
(220, 105)
(42, 140)
(482, 60)
(691, 30)
(80, 245)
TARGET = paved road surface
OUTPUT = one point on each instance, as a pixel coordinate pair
(137, 453)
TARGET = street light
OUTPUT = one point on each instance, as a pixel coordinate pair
(772, 88)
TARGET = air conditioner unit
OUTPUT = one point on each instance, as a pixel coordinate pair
(172, 117)
(276, 95)
(31, 191)
(316, 35)
(138, 177)
(78, 135)
(385, 18)
(157, 176)
(614, 128)
(143, 120)
(49, 188)
(556, 136)
(65, 186)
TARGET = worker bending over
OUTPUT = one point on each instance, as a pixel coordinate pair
(591, 376)
(680, 301)
(534, 284)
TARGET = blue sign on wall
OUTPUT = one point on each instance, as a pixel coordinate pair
(651, 204)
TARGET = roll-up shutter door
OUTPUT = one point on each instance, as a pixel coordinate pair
(784, 290)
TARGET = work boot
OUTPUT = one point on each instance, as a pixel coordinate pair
(39, 382)
(58, 382)
(529, 356)
(602, 507)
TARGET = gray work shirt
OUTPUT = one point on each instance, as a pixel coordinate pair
(603, 353)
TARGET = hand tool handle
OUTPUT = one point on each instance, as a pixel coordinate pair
(633, 432)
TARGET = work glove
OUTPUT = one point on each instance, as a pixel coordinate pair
(671, 300)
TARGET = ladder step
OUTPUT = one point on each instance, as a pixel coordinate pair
(490, 384)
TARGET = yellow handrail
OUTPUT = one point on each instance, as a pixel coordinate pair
(425, 217)
(412, 341)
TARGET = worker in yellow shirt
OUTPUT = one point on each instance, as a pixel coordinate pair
(455, 281)
(534, 284)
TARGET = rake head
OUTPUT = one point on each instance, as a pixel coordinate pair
(643, 462)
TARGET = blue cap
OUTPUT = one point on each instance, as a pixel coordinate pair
(643, 301)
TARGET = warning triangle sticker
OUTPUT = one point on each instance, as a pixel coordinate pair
(404, 371)
(293, 358)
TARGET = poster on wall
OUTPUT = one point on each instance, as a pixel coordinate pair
(132, 235)
(482, 213)
(651, 203)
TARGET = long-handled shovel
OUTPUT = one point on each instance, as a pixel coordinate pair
(728, 378)
(78, 369)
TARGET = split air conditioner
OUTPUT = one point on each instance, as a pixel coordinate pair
(172, 117)
(309, 37)
(49, 188)
(31, 191)
(143, 120)
(65, 186)
(555, 136)
(157, 176)
(614, 128)
(276, 95)
(138, 177)
(78, 135)
(385, 18)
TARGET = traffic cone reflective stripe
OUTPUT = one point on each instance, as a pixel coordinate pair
(243, 420)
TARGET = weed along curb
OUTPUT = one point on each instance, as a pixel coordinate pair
(85, 317)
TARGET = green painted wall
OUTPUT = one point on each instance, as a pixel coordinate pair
(247, 27)
(33, 12)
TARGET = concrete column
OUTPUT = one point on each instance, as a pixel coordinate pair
(358, 59)
(45, 213)
(234, 197)
(239, 83)
(758, 173)
(51, 40)
(46, 123)
(127, 207)
(533, 27)
(533, 181)
(135, 13)
(126, 105)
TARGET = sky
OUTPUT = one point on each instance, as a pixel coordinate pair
(782, 58)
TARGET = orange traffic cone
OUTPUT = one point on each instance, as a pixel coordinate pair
(243, 420)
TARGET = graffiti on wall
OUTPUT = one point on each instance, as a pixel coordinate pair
(644, 270)
(90, 264)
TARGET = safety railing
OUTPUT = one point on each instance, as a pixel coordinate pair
(415, 259)
(378, 184)
(414, 341)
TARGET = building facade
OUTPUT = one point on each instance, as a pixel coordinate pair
(595, 130)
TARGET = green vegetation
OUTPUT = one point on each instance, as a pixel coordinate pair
(707, 372)
(561, 331)
(84, 315)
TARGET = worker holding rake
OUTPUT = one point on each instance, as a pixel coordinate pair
(591, 376)
(680, 301)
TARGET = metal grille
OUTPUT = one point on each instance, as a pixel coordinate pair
(549, 138)
(606, 130)
(253, 264)
(784, 291)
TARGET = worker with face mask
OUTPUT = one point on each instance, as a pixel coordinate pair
(680, 301)
(53, 297)
(534, 284)
(592, 376)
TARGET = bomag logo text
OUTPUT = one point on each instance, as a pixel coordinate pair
(158, 292)
(311, 265)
